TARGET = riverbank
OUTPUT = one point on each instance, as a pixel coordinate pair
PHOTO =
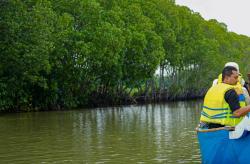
(110, 101)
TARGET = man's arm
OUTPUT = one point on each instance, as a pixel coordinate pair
(242, 111)
(232, 99)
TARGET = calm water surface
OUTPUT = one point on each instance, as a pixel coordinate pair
(162, 133)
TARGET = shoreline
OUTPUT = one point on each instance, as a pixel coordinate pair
(127, 101)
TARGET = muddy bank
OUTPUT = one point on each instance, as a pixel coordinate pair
(110, 100)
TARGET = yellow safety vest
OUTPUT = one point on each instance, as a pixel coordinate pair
(238, 89)
(216, 109)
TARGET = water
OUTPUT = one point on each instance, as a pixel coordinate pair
(162, 133)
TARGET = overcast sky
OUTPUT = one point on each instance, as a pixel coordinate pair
(234, 13)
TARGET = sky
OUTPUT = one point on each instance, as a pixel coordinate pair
(234, 13)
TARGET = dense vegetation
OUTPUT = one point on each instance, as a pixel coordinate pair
(63, 54)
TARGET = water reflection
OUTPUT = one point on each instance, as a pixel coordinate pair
(162, 133)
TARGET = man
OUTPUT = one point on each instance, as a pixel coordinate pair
(222, 104)
(241, 84)
(241, 80)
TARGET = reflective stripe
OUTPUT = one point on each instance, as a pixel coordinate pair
(205, 114)
(234, 117)
(221, 115)
(217, 115)
(215, 108)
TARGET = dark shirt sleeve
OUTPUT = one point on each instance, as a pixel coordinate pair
(232, 99)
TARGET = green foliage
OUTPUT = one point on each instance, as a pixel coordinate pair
(25, 47)
(64, 54)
